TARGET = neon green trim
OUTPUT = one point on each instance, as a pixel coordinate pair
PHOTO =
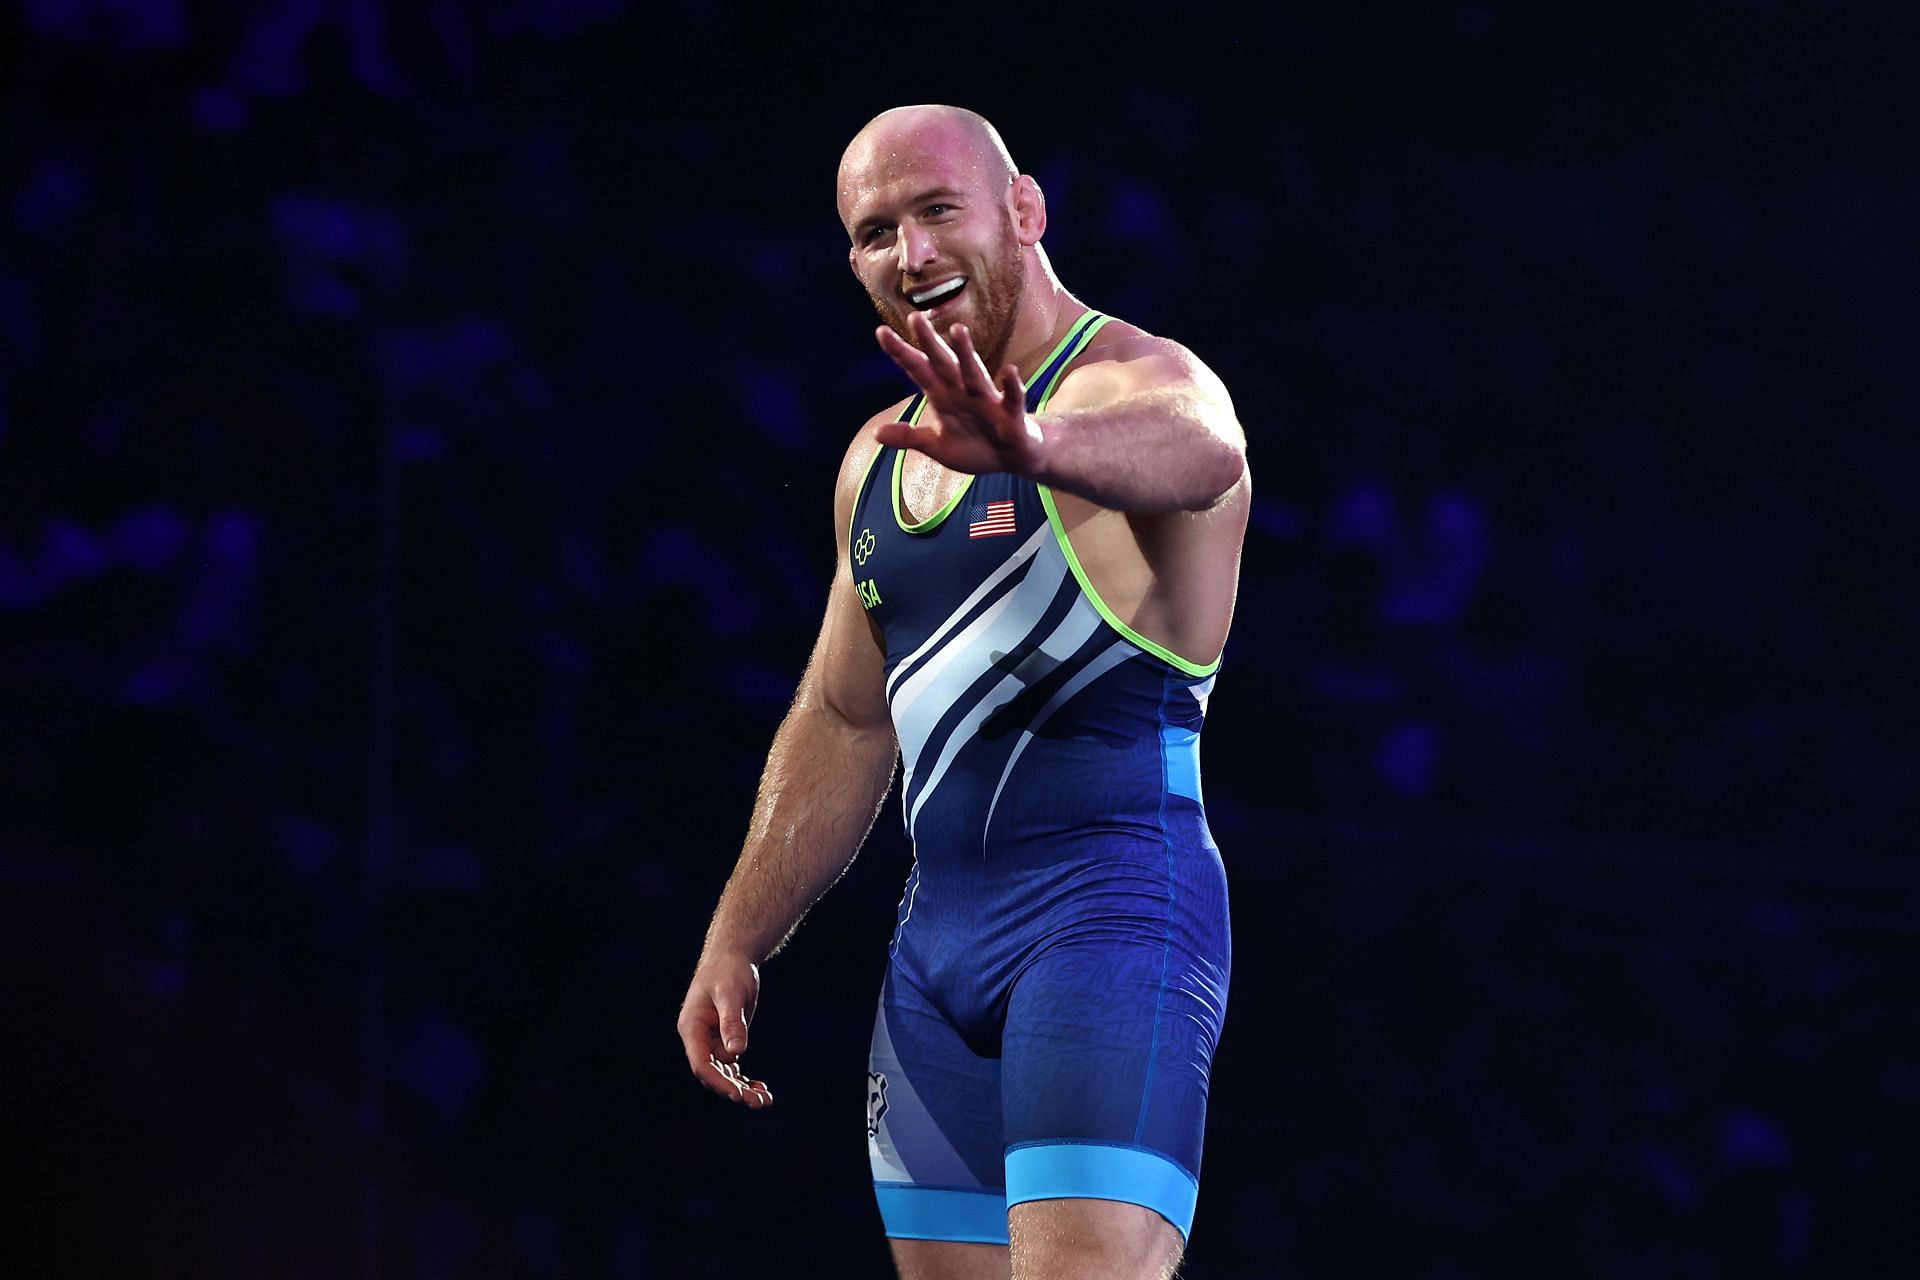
(932, 521)
(859, 492)
(1161, 652)
(1072, 335)
(1080, 336)
(1077, 337)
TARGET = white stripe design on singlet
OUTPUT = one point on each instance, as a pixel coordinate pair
(907, 898)
(1020, 556)
(1106, 660)
(929, 693)
(908, 1125)
(1201, 692)
(1065, 640)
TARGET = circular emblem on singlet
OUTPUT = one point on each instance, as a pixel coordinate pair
(863, 546)
(876, 1102)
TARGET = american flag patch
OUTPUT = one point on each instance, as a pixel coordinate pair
(995, 522)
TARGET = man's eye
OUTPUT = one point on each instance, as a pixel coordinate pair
(935, 210)
(873, 234)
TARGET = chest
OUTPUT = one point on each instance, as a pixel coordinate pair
(924, 540)
(926, 488)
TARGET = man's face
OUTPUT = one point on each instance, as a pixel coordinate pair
(932, 232)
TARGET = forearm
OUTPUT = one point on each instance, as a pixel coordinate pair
(818, 797)
(1159, 450)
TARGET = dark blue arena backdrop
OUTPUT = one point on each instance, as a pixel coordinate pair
(417, 425)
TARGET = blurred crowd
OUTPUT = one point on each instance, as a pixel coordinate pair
(417, 425)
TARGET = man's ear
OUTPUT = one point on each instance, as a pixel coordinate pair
(1029, 205)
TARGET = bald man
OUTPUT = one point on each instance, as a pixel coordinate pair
(1038, 556)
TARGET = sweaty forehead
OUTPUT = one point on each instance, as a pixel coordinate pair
(894, 163)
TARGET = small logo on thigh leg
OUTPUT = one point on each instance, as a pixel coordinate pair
(876, 1102)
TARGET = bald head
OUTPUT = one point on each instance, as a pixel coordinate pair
(939, 221)
(954, 139)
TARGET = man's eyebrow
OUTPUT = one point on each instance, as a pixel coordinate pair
(881, 220)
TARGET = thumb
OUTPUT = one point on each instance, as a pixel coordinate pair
(733, 1029)
(896, 435)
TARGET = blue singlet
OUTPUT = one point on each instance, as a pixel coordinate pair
(1058, 974)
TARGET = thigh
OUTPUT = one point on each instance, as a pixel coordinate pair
(1106, 1056)
(948, 1260)
(933, 1124)
(1056, 1238)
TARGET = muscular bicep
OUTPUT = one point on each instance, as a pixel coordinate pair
(1148, 366)
(847, 674)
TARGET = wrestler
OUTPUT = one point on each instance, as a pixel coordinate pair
(1038, 553)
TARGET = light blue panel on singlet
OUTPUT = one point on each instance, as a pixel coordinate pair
(1182, 748)
(936, 1213)
(1102, 1171)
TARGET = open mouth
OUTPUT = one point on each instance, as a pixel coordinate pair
(945, 291)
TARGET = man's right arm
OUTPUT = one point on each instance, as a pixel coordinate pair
(828, 770)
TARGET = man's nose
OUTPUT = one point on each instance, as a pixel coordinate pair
(916, 249)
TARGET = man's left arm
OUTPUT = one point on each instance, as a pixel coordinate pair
(1148, 429)
(1145, 428)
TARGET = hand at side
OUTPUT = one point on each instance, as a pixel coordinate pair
(713, 1027)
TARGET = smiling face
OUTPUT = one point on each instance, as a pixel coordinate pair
(936, 215)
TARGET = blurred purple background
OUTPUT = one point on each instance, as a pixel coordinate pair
(417, 430)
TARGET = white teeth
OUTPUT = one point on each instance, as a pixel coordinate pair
(938, 291)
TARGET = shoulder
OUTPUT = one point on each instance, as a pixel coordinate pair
(859, 457)
(863, 447)
(1124, 359)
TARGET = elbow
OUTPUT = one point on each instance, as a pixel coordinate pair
(1226, 463)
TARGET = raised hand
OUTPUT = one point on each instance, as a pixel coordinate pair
(979, 422)
(713, 1028)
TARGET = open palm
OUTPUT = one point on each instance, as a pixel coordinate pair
(979, 422)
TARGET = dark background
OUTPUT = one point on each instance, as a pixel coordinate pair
(417, 429)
